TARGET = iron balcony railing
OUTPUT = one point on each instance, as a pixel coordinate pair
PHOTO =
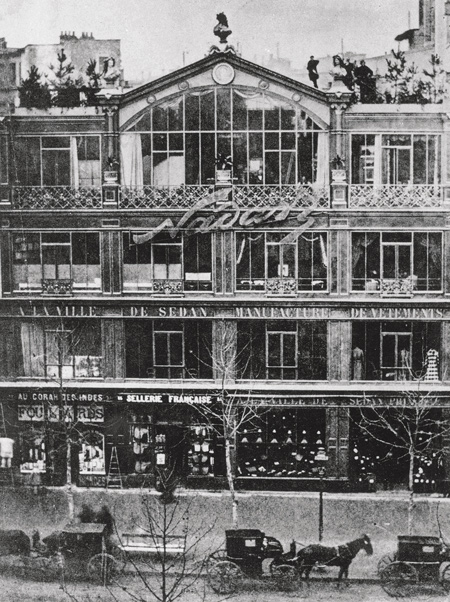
(389, 196)
(168, 197)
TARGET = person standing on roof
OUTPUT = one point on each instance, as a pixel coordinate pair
(312, 71)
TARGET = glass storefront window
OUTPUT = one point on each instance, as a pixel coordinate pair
(91, 457)
(281, 443)
(33, 450)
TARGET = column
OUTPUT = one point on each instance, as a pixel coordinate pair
(338, 422)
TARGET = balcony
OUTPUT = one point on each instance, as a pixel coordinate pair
(281, 286)
(419, 196)
(56, 197)
(57, 286)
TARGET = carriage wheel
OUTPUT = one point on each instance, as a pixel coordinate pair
(103, 567)
(398, 579)
(445, 578)
(120, 557)
(224, 577)
(385, 560)
(287, 577)
(217, 556)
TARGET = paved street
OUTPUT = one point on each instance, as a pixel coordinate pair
(17, 590)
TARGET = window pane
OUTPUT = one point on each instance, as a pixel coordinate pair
(192, 112)
(240, 158)
(272, 168)
(176, 114)
(239, 112)
(56, 168)
(289, 349)
(208, 155)
(28, 156)
(223, 109)
(287, 168)
(55, 142)
(420, 160)
(274, 349)
(192, 159)
(161, 349)
(207, 111)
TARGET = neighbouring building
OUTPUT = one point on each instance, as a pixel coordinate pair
(223, 201)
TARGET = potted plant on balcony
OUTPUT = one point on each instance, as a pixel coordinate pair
(338, 173)
(111, 175)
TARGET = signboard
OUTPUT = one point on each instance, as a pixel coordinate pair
(37, 413)
(357, 400)
(56, 396)
(171, 398)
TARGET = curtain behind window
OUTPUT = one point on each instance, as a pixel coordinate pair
(323, 161)
(131, 160)
(32, 339)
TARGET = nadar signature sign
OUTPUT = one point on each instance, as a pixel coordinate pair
(224, 214)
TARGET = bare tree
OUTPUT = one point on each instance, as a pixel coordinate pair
(61, 360)
(414, 428)
(234, 409)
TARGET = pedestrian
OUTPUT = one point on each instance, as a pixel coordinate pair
(365, 80)
(348, 79)
(312, 70)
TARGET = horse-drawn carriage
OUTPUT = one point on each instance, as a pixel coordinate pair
(245, 552)
(419, 559)
(247, 549)
(79, 549)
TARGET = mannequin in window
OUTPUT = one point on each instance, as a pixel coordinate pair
(405, 365)
(432, 365)
(358, 361)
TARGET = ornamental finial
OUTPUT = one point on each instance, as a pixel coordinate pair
(222, 29)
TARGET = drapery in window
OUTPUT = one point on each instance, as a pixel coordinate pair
(131, 160)
(32, 339)
(74, 175)
(323, 161)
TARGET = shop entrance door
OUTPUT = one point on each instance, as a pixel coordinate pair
(170, 448)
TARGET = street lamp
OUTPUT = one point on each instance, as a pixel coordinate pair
(321, 458)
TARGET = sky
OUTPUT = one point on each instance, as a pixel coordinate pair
(155, 34)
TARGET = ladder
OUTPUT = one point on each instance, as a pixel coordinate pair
(114, 478)
(6, 473)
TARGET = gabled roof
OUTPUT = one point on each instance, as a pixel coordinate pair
(210, 61)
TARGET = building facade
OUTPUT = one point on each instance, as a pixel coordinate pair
(222, 211)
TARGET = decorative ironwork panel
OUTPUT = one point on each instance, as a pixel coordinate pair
(273, 196)
(185, 197)
(56, 197)
(167, 287)
(397, 286)
(394, 196)
(57, 286)
(152, 197)
(281, 286)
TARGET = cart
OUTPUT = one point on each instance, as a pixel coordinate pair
(419, 559)
(245, 551)
(85, 547)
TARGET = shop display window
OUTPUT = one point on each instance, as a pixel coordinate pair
(201, 451)
(282, 444)
(92, 452)
(141, 437)
(33, 454)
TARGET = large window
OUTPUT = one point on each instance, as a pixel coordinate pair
(73, 256)
(61, 349)
(281, 350)
(185, 259)
(382, 260)
(396, 350)
(281, 443)
(402, 159)
(168, 349)
(266, 262)
(262, 139)
(58, 161)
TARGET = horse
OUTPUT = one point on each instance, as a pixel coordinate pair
(340, 556)
(15, 542)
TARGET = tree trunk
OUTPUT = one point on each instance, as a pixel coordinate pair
(69, 490)
(411, 492)
(230, 478)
